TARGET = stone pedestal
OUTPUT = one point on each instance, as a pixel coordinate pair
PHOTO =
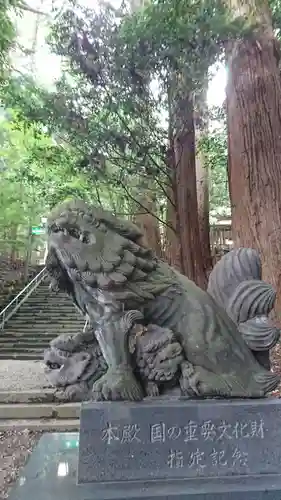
(172, 449)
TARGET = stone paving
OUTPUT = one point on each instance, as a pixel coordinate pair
(22, 375)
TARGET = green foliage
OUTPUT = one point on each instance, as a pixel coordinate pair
(110, 124)
(36, 173)
(179, 36)
(104, 111)
(275, 8)
(214, 147)
(7, 32)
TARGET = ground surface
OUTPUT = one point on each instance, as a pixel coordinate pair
(15, 447)
(24, 375)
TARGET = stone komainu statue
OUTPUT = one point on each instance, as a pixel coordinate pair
(150, 329)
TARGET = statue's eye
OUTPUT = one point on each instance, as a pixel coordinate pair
(84, 237)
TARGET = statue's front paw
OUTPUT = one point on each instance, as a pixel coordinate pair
(118, 384)
(74, 393)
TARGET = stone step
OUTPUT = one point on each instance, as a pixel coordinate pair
(43, 326)
(26, 338)
(44, 410)
(46, 334)
(37, 309)
(44, 395)
(47, 322)
(46, 306)
(49, 296)
(28, 308)
(22, 350)
(22, 346)
(69, 425)
(45, 301)
(35, 294)
(60, 314)
(27, 345)
(21, 356)
(39, 292)
(57, 311)
(42, 329)
(48, 337)
(42, 322)
(4, 339)
(51, 325)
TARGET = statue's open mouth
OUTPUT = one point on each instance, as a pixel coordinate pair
(72, 232)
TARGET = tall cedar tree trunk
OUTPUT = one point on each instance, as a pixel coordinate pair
(186, 196)
(172, 241)
(173, 253)
(148, 223)
(254, 129)
(202, 179)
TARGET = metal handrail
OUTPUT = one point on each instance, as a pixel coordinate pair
(21, 297)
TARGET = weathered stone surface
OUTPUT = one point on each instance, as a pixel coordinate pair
(171, 439)
(117, 283)
(40, 424)
(44, 410)
(28, 396)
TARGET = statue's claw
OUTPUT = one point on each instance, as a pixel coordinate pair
(151, 389)
(74, 392)
(118, 384)
(190, 380)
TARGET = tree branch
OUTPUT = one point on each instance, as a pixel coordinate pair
(27, 8)
(143, 207)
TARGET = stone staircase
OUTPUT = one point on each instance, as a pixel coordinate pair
(42, 317)
(37, 410)
(12, 279)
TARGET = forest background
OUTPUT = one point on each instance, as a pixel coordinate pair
(126, 123)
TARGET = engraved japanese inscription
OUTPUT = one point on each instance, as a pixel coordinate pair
(225, 438)
(182, 441)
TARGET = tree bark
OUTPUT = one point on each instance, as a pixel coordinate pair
(254, 129)
(186, 196)
(172, 243)
(202, 180)
(173, 253)
(149, 224)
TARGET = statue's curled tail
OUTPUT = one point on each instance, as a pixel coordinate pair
(235, 284)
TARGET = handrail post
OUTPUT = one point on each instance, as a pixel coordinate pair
(21, 297)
